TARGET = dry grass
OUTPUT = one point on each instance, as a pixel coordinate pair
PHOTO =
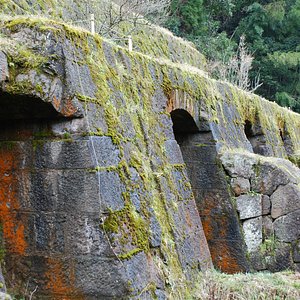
(259, 286)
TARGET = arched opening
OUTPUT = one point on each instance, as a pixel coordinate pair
(209, 186)
(20, 107)
(183, 122)
(25, 123)
(257, 138)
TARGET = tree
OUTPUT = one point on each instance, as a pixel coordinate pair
(115, 13)
(186, 17)
(271, 30)
(237, 69)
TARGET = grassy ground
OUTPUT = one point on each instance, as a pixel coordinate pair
(260, 286)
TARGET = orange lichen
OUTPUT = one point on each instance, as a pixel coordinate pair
(66, 108)
(12, 226)
(216, 229)
(60, 281)
(56, 103)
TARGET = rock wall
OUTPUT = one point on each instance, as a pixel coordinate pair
(267, 200)
(98, 200)
(213, 198)
(92, 205)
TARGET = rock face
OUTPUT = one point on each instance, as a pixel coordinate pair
(285, 200)
(249, 206)
(3, 67)
(270, 212)
(107, 158)
(95, 201)
(213, 200)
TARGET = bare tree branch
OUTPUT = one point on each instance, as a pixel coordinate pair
(113, 13)
(237, 69)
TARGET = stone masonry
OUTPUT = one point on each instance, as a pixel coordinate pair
(124, 176)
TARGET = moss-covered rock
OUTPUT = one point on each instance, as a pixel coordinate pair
(109, 221)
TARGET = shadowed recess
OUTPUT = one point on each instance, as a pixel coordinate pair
(257, 138)
(210, 190)
(183, 122)
(18, 107)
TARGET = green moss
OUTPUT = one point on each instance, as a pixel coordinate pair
(129, 254)
(269, 246)
(21, 87)
(112, 122)
(36, 144)
(124, 90)
(167, 85)
(27, 59)
(132, 227)
(295, 159)
(111, 223)
(43, 134)
(67, 136)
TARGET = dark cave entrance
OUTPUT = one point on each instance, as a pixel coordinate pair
(21, 107)
(25, 118)
(211, 193)
(257, 138)
(183, 123)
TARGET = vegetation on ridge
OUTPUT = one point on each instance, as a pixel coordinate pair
(140, 70)
(271, 28)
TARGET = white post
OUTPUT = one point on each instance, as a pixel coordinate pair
(92, 23)
(130, 43)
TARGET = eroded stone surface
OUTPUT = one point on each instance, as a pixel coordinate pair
(239, 164)
(249, 206)
(296, 253)
(279, 258)
(253, 233)
(287, 227)
(4, 75)
(284, 200)
(268, 229)
(270, 174)
(111, 227)
(275, 197)
(240, 185)
(266, 205)
(173, 152)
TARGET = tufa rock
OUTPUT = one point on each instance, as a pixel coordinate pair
(253, 233)
(4, 75)
(249, 206)
(240, 185)
(287, 228)
(285, 200)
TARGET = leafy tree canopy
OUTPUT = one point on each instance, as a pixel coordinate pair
(272, 32)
